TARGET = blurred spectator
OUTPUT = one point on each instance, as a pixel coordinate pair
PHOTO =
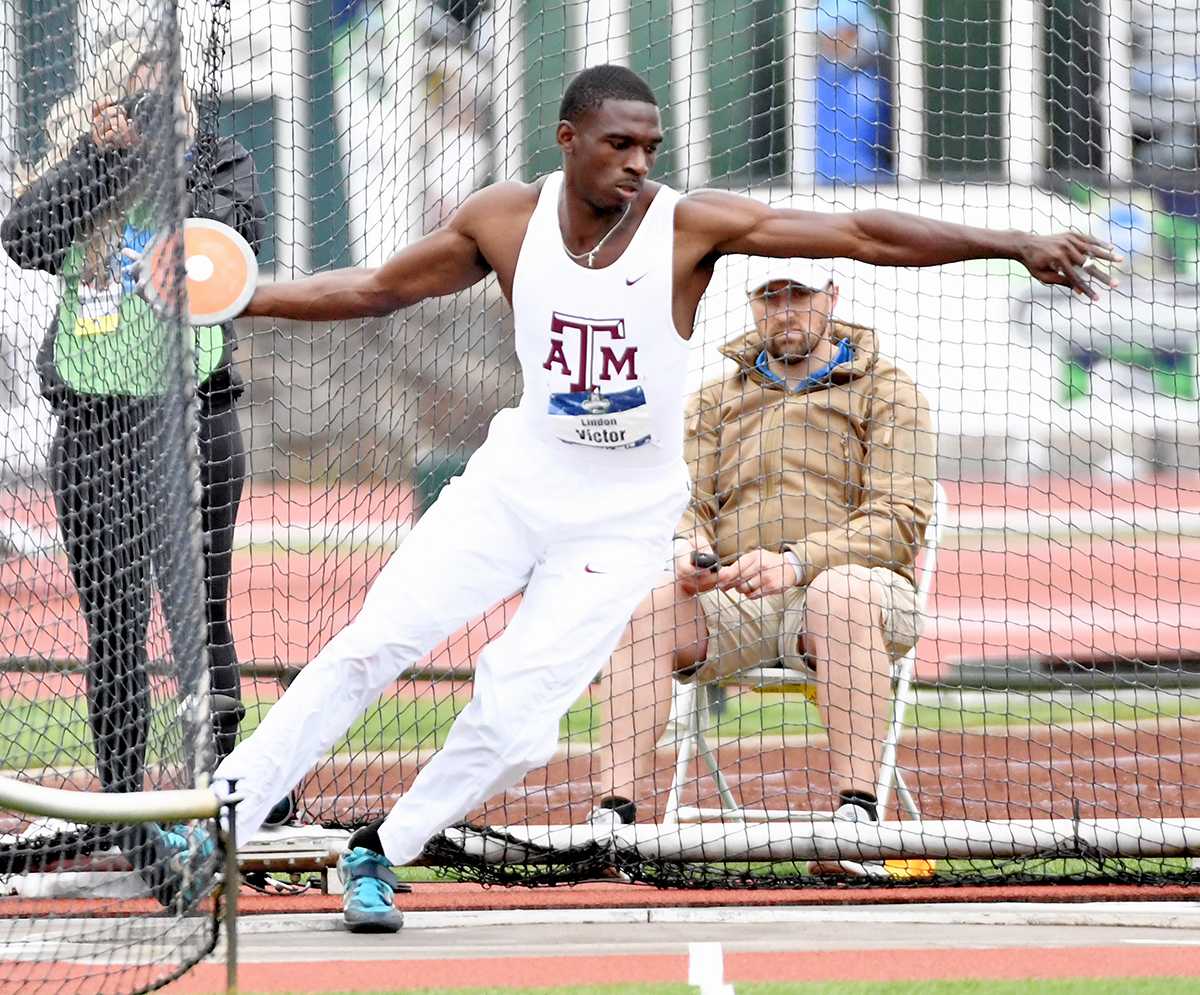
(455, 22)
(1164, 81)
(457, 148)
(89, 210)
(1165, 84)
(853, 96)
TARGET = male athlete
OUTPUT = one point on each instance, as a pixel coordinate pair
(575, 496)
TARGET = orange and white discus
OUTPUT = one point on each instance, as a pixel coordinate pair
(221, 271)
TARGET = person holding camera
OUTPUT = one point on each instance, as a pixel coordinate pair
(86, 217)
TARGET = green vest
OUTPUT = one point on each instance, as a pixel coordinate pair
(110, 342)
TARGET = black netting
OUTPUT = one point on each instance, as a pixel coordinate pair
(107, 443)
(1053, 670)
(1005, 475)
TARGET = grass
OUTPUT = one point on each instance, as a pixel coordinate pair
(1061, 868)
(1050, 869)
(52, 732)
(1000, 710)
(1062, 986)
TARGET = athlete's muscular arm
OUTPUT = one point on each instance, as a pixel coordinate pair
(739, 225)
(445, 262)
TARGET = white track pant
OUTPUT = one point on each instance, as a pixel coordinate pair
(586, 546)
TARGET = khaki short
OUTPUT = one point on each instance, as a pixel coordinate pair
(754, 632)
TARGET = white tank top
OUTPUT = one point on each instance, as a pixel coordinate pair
(603, 365)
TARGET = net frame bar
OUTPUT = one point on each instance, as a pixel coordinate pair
(827, 839)
(177, 805)
(98, 807)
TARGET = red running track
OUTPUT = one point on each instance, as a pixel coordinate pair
(518, 973)
(1042, 596)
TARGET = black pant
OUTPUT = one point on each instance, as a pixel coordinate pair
(109, 487)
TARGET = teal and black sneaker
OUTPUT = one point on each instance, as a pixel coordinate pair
(178, 862)
(369, 887)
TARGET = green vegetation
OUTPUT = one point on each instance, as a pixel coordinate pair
(53, 731)
(1060, 868)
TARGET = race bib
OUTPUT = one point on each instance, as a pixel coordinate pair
(602, 421)
(98, 311)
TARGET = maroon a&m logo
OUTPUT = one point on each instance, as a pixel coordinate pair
(573, 350)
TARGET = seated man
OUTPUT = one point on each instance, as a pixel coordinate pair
(813, 470)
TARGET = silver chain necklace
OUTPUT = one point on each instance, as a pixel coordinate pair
(591, 253)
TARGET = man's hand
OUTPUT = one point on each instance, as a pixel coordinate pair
(111, 129)
(696, 577)
(757, 574)
(1071, 260)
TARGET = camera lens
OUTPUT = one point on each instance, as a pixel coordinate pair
(142, 109)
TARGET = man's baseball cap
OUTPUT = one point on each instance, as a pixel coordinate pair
(802, 274)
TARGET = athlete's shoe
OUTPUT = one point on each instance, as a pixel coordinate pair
(369, 888)
(849, 812)
(177, 862)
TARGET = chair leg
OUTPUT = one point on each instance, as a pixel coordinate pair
(906, 799)
(688, 727)
(889, 775)
(728, 803)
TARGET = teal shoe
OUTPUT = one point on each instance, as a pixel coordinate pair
(369, 889)
(177, 862)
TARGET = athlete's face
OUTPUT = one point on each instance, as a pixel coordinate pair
(610, 151)
(791, 319)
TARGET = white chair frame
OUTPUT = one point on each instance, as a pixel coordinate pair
(692, 703)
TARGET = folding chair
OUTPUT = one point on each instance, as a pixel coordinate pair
(693, 701)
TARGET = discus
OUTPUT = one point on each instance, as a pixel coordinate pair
(705, 561)
(220, 266)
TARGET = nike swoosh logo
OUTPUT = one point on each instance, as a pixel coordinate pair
(630, 283)
(587, 568)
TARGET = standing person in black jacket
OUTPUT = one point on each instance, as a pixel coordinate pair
(86, 218)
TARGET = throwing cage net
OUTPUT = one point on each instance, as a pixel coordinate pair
(108, 850)
(1043, 721)
(1022, 466)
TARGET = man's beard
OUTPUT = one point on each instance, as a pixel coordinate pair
(787, 352)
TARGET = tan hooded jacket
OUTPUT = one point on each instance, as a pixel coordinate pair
(840, 473)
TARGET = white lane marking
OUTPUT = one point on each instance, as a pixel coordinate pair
(706, 969)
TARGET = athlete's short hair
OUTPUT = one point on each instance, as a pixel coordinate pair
(593, 86)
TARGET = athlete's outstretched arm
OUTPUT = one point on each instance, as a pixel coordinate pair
(444, 262)
(741, 225)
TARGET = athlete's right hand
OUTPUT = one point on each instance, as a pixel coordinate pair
(696, 570)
